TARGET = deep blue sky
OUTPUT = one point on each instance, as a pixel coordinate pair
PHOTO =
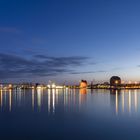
(70, 40)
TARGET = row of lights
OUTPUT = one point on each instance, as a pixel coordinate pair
(127, 82)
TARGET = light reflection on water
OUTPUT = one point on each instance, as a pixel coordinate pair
(70, 114)
(125, 101)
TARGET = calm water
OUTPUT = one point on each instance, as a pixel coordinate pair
(70, 114)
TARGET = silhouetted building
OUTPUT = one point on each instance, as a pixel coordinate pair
(115, 81)
(83, 84)
(92, 85)
(106, 83)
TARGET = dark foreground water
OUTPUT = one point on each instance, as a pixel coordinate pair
(70, 114)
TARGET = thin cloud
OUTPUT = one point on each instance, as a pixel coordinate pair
(13, 66)
(88, 72)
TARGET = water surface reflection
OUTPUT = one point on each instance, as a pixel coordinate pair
(69, 114)
(125, 101)
(121, 101)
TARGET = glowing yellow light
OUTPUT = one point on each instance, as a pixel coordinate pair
(53, 85)
(59, 87)
(49, 86)
(10, 85)
(116, 82)
(39, 87)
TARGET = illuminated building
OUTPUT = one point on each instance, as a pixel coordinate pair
(83, 84)
(115, 81)
(51, 86)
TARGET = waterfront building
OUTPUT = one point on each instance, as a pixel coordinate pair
(83, 84)
(115, 81)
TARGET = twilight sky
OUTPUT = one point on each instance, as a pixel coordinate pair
(69, 40)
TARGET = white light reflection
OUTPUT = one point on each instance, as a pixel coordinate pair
(56, 94)
(136, 100)
(39, 98)
(129, 101)
(53, 100)
(1, 94)
(123, 101)
(116, 102)
(66, 92)
(10, 100)
(33, 98)
(49, 100)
